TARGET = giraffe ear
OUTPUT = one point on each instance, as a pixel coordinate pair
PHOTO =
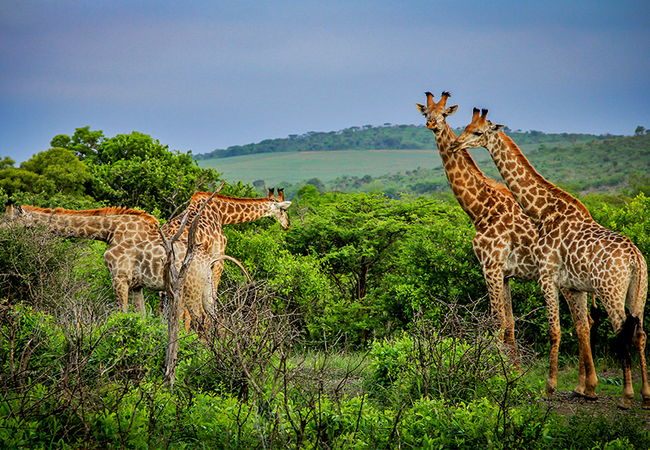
(452, 110)
(497, 128)
(421, 108)
(283, 205)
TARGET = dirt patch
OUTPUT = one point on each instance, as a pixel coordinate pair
(567, 404)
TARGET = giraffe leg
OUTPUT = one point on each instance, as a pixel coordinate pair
(137, 300)
(510, 324)
(121, 288)
(639, 342)
(494, 280)
(554, 332)
(587, 378)
(623, 328)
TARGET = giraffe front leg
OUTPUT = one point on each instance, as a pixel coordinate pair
(554, 332)
(121, 289)
(494, 280)
(137, 300)
(510, 324)
(587, 379)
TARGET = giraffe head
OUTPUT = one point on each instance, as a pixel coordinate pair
(14, 213)
(436, 113)
(278, 207)
(478, 132)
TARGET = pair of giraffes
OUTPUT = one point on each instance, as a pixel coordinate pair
(533, 230)
(135, 255)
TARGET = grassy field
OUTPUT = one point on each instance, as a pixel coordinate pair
(274, 168)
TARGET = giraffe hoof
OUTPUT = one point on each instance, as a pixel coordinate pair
(575, 394)
(625, 406)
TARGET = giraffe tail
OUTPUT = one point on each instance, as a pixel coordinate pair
(638, 287)
(230, 258)
(625, 336)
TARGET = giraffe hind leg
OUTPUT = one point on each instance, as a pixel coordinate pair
(587, 378)
(639, 342)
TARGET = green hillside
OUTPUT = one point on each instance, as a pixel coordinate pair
(386, 137)
(579, 162)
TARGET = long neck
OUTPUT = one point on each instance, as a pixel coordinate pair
(233, 210)
(542, 201)
(73, 225)
(470, 187)
(107, 224)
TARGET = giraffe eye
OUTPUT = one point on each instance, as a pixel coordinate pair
(478, 133)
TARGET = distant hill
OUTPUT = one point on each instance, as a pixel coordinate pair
(386, 137)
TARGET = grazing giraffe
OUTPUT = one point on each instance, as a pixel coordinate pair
(135, 255)
(505, 236)
(223, 210)
(575, 253)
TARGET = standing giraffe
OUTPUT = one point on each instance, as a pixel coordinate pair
(574, 253)
(222, 210)
(505, 236)
(135, 255)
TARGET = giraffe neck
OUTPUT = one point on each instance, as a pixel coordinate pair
(542, 201)
(99, 225)
(234, 210)
(470, 187)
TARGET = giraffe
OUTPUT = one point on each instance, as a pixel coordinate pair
(134, 256)
(223, 210)
(574, 253)
(505, 236)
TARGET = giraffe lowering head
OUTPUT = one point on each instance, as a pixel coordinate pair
(278, 208)
(134, 256)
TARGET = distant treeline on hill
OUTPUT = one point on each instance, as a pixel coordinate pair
(367, 137)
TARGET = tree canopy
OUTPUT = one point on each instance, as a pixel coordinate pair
(132, 170)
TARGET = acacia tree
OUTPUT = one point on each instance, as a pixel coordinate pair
(354, 237)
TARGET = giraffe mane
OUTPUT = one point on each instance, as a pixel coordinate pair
(530, 169)
(500, 187)
(201, 195)
(108, 211)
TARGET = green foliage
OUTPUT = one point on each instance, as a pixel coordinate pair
(36, 267)
(595, 164)
(577, 162)
(135, 170)
(131, 170)
(355, 239)
(56, 170)
(30, 342)
(103, 406)
(298, 282)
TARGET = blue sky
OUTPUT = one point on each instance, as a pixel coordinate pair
(213, 74)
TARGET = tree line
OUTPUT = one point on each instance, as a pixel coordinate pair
(368, 137)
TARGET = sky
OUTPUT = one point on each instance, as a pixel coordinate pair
(206, 75)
